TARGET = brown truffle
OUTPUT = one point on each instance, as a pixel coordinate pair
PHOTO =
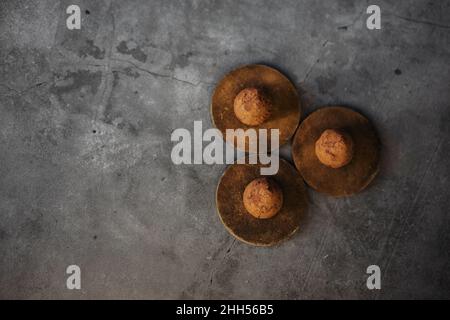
(252, 106)
(263, 198)
(334, 148)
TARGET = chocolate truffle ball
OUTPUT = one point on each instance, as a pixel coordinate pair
(263, 198)
(334, 148)
(252, 106)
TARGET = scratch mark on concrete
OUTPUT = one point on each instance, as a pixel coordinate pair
(318, 252)
(361, 13)
(315, 62)
(404, 225)
(161, 75)
(218, 265)
(429, 23)
(108, 77)
(17, 92)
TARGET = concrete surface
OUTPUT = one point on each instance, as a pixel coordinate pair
(86, 175)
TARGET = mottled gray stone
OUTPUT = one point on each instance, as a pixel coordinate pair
(85, 170)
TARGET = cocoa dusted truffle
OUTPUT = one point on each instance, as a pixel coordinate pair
(263, 198)
(334, 148)
(252, 106)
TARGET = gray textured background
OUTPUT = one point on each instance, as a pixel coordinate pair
(85, 170)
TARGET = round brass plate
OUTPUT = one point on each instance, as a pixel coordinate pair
(286, 106)
(245, 227)
(353, 177)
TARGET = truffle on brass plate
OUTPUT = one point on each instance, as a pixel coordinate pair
(263, 198)
(252, 106)
(336, 151)
(334, 148)
(259, 97)
(261, 210)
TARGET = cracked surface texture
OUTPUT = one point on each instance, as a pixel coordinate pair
(86, 175)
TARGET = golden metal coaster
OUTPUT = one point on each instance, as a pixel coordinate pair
(251, 230)
(286, 105)
(351, 178)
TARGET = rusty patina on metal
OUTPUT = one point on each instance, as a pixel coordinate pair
(285, 111)
(351, 178)
(251, 230)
